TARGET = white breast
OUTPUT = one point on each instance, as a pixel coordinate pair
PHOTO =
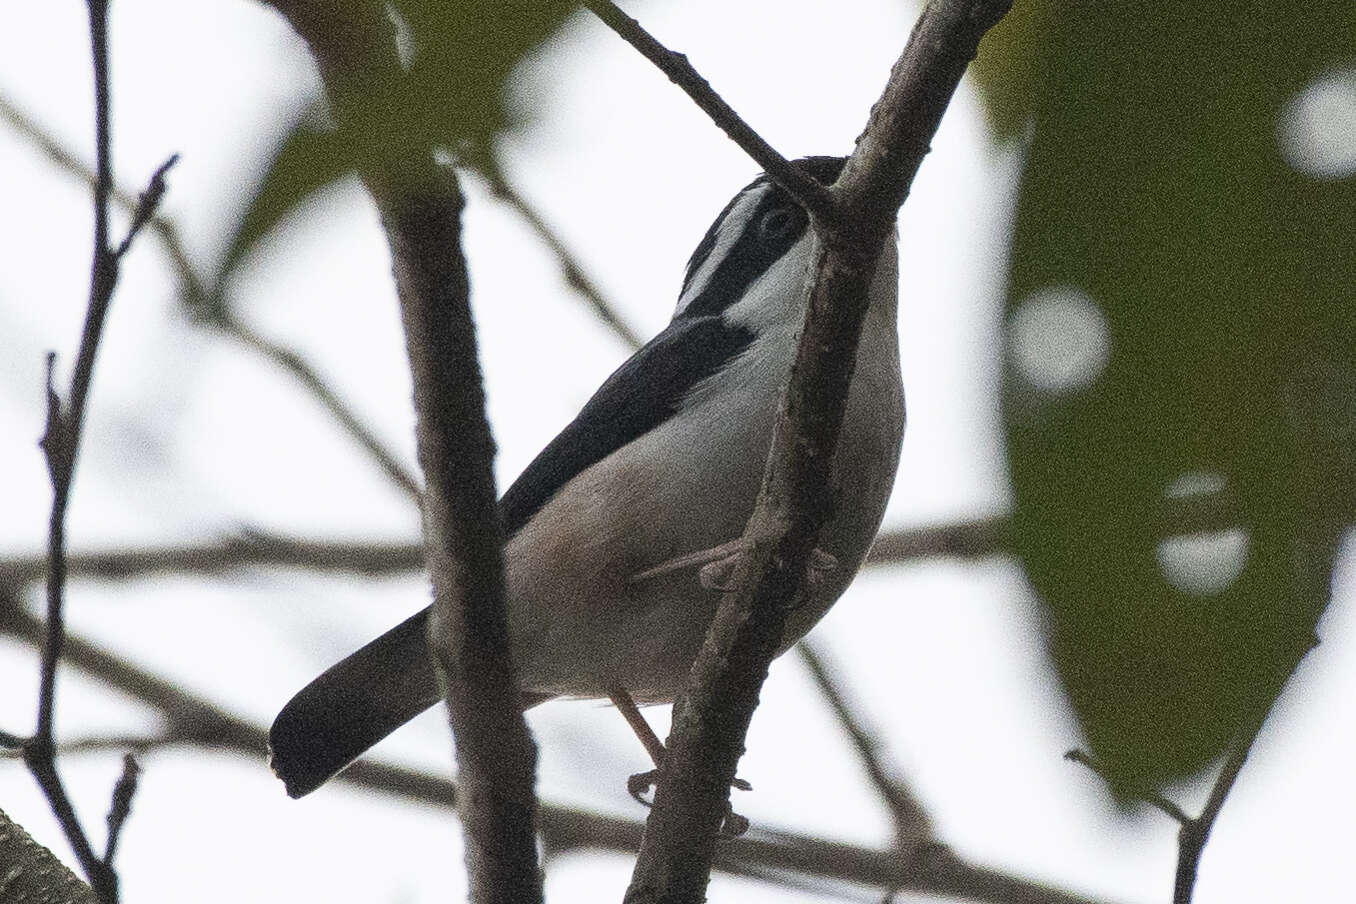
(579, 628)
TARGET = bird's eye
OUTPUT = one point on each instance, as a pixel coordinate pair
(777, 223)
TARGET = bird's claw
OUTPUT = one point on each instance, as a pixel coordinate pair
(724, 574)
(721, 566)
(732, 825)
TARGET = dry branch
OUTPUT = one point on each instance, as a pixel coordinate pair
(61, 445)
(712, 717)
(34, 875)
(420, 205)
(911, 821)
(196, 721)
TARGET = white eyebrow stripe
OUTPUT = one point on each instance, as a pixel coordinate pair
(731, 228)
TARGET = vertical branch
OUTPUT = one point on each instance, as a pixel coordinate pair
(468, 633)
(61, 444)
(420, 204)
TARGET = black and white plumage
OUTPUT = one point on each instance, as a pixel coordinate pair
(665, 460)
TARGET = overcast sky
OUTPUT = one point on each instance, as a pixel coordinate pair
(191, 438)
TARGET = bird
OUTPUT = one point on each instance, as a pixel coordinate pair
(618, 535)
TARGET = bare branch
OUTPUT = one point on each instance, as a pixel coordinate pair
(105, 743)
(711, 718)
(912, 823)
(194, 720)
(420, 205)
(121, 806)
(797, 183)
(294, 363)
(146, 205)
(964, 540)
(33, 874)
(200, 300)
(488, 167)
(61, 443)
(248, 550)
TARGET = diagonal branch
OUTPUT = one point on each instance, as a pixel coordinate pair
(797, 183)
(488, 167)
(711, 718)
(912, 824)
(33, 873)
(329, 398)
(208, 310)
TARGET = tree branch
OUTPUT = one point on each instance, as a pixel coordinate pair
(196, 721)
(711, 718)
(964, 540)
(797, 183)
(420, 205)
(913, 826)
(33, 874)
(61, 444)
(573, 272)
(121, 806)
(295, 363)
(1148, 795)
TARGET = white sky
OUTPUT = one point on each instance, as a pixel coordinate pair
(190, 438)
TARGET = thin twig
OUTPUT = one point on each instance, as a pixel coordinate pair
(294, 363)
(965, 540)
(208, 308)
(105, 743)
(1194, 834)
(61, 444)
(248, 550)
(147, 202)
(121, 806)
(912, 824)
(811, 195)
(197, 721)
(488, 167)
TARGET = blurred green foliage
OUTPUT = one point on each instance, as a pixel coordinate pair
(1183, 308)
(460, 56)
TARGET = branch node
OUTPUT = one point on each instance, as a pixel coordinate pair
(147, 202)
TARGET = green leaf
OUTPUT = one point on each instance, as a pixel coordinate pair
(1012, 63)
(465, 52)
(1182, 315)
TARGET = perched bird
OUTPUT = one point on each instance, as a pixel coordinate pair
(617, 533)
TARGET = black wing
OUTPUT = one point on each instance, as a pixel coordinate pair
(639, 396)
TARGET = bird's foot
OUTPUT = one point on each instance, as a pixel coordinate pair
(725, 574)
(724, 551)
(732, 826)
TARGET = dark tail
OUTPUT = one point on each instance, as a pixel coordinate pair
(352, 706)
